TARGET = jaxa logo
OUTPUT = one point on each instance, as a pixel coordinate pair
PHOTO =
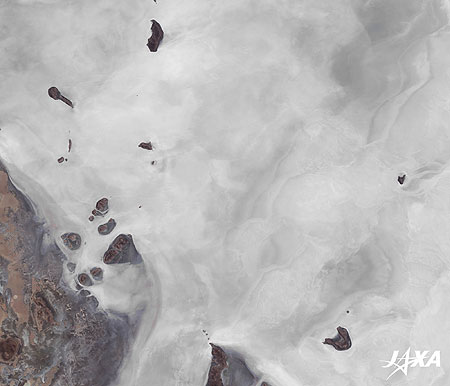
(418, 360)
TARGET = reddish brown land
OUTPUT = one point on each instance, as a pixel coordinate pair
(49, 334)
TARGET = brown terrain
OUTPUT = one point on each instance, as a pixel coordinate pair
(122, 250)
(229, 368)
(49, 334)
(157, 36)
(107, 228)
(218, 365)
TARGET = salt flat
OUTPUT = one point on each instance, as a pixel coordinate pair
(279, 131)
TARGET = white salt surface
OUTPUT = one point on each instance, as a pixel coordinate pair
(279, 130)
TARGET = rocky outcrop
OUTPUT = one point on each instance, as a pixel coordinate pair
(156, 38)
(71, 240)
(55, 94)
(97, 273)
(218, 365)
(146, 145)
(107, 228)
(228, 368)
(122, 250)
(102, 205)
(341, 341)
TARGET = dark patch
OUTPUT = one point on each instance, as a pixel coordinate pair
(102, 205)
(111, 256)
(91, 218)
(401, 179)
(156, 38)
(341, 341)
(97, 213)
(55, 94)
(237, 372)
(9, 348)
(85, 280)
(218, 364)
(84, 293)
(107, 228)
(122, 250)
(92, 301)
(146, 145)
(153, 162)
(71, 240)
(3, 272)
(71, 267)
(70, 145)
(97, 273)
(60, 160)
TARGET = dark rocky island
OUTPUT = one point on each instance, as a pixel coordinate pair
(97, 273)
(55, 94)
(102, 205)
(341, 341)
(146, 145)
(228, 368)
(107, 228)
(71, 240)
(121, 251)
(85, 280)
(218, 364)
(156, 38)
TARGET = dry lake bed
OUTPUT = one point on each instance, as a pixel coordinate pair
(235, 193)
